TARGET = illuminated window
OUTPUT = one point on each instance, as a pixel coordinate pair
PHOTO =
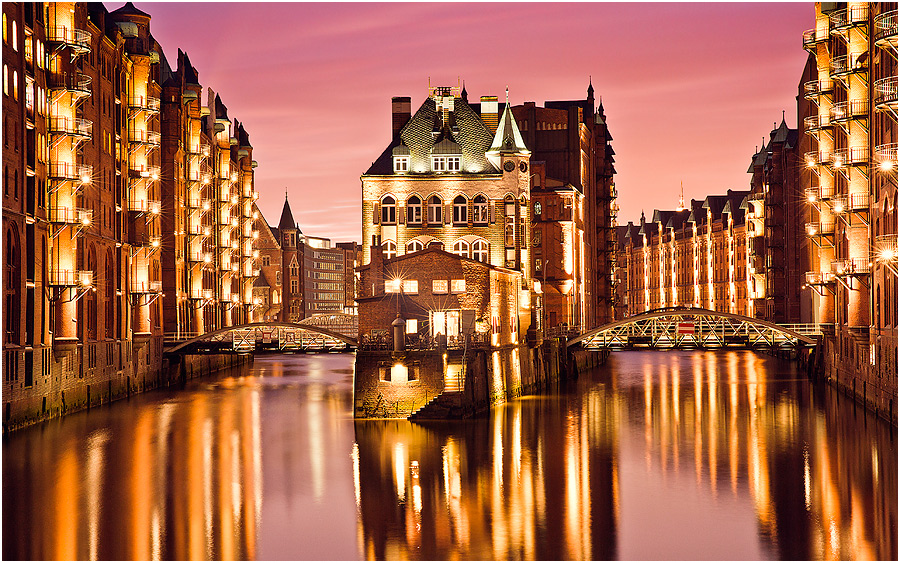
(389, 249)
(509, 230)
(15, 37)
(414, 210)
(438, 163)
(15, 85)
(452, 161)
(411, 287)
(461, 248)
(295, 286)
(480, 251)
(412, 326)
(401, 164)
(439, 286)
(481, 210)
(4, 28)
(388, 211)
(460, 210)
(392, 286)
(434, 210)
(5, 80)
(457, 286)
(414, 246)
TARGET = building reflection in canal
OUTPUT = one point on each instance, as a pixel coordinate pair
(655, 456)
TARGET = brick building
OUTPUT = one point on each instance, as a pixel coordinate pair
(110, 206)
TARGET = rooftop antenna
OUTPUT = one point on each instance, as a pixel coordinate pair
(681, 199)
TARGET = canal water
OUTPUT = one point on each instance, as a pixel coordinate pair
(656, 455)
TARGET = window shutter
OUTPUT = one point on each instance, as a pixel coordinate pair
(376, 213)
(448, 213)
(470, 212)
(401, 214)
(490, 213)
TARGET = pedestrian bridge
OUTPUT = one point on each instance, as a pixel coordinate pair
(319, 333)
(685, 327)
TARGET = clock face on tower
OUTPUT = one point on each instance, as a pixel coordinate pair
(509, 166)
(523, 167)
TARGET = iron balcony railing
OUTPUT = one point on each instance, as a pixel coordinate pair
(813, 158)
(811, 37)
(842, 111)
(198, 150)
(819, 229)
(819, 278)
(854, 15)
(850, 157)
(200, 293)
(144, 137)
(886, 155)
(816, 122)
(72, 278)
(144, 171)
(75, 83)
(78, 39)
(145, 286)
(850, 266)
(819, 193)
(846, 64)
(144, 103)
(149, 242)
(73, 127)
(885, 27)
(814, 88)
(69, 171)
(144, 206)
(200, 257)
(71, 215)
(885, 92)
(199, 203)
(858, 202)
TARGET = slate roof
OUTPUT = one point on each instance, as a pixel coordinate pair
(129, 10)
(287, 218)
(463, 127)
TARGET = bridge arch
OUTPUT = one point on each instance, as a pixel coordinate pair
(262, 325)
(757, 331)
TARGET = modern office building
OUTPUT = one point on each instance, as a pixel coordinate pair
(851, 189)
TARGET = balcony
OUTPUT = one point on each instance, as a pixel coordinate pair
(858, 202)
(886, 156)
(72, 278)
(200, 257)
(813, 37)
(66, 171)
(814, 123)
(885, 34)
(144, 104)
(843, 111)
(145, 171)
(144, 286)
(200, 293)
(854, 156)
(199, 203)
(842, 20)
(197, 230)
(819, 278)
(78, 129)
(78, 40)
(76, 83)
(819, 229)
(819, 193)
(144, 206)
(884, 96)
(199, 150)
(815, 88)
(813, 158)
(144, 137)
(71, 216)
(850, 267)
(847, 64)
(149, 242)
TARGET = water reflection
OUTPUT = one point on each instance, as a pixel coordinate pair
(654, 456)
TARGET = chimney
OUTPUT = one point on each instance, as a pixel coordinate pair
(489, 112)
(400, 113)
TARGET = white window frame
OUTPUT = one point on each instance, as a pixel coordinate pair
(461, 248)
(388, 210)
(401, 164)
(481, 251)
(480, 215)
(414, 246)
(457, 286)
(453, 163)
(410, 287)
(435, 211)
(414, 211)
(389, 249)
(439, 164)
(460, 210)
(440, 287)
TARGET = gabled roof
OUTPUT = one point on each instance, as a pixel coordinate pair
(507, 139)
(287, 218)
(260, 281)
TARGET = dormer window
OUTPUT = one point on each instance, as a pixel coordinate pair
(445, 163)
(401, 164)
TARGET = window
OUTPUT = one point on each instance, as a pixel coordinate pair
(434, 210)
(15, 37)
(4, 29)
(414, 210)
(401, 164)
(266, 260)
(15, 85)
(460, 210)
(457, 286)
(480, 251)
(414, 246)
(388, 211)
(295, 286)
(438, 163)
(392, 286)
(295, 269)
(389, 249)
(481, 210)
(5, 80)
(439, 286)
(452, 161)
(412, 326)
(411, 287)
(461, 248)
(510, 225)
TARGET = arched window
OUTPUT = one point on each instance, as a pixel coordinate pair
(461, 248)
(110, 294)
(388, 211)
(15, 85)
(389, 249)
(509, 229)
(436, 244)
(5, 37)
(460, 210)
(481, 210)
(12, 266)
(480, 251)
(90, 298)
(414, 210)
(414, 246)
(5, 80)
(15, 37)
(435, 205)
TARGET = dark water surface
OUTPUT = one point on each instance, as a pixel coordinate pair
(656, 455)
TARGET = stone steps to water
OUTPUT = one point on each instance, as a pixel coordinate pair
(448, 404)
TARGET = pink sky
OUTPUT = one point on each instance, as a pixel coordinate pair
(689, 89)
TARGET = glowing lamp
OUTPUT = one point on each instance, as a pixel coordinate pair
(85, 179)
(85, 279)
(887, 254)
(235, 298)
(154, 207)
(886, 166)
(838, 207)
(154, 243)
(811, 197)
(206, 205)
(207, 258)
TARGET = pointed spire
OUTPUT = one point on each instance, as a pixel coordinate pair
(287, 218)
(590, 86)
(507, 139)
(681, 199)
(463, 94)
